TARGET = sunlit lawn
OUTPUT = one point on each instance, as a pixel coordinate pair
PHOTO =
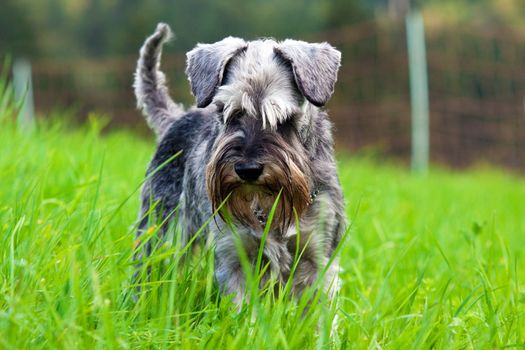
(432, 261)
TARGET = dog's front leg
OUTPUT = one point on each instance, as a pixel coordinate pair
(228, 269)
(313, 263)
(308, 272)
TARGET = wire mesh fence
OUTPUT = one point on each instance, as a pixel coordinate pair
(477, 89)
(476, 84)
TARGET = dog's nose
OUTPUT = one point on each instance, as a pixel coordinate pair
(249, 171)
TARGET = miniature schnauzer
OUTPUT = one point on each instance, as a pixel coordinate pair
(256, 140)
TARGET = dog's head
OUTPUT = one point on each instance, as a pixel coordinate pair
(265, 92)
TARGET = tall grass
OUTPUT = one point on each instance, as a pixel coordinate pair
(431, 261)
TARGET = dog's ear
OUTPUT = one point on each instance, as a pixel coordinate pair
(205, 67)
(314, 67)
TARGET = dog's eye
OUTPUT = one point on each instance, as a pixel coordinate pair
(234, 118)
(286, 125)
(237, 114)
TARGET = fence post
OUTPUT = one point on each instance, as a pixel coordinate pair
(418, 91)
(23, 87)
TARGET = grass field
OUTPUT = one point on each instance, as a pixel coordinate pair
(432, 261)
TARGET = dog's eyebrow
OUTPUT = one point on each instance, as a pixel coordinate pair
(238, 134)
(295, 111)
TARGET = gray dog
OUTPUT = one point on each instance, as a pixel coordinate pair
(256, 137)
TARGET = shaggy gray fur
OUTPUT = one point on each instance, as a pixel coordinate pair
(258, 104)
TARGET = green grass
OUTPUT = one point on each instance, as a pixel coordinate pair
(431, 261)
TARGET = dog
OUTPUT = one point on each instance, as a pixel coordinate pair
(257, 143)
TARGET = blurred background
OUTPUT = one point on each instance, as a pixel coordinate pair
(81, 54)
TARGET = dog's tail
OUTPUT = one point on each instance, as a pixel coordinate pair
(150, 83)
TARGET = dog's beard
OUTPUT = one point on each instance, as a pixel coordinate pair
(282, 184)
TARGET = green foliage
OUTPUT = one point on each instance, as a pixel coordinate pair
(17, 32)
(118, 27)
(431, 261)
